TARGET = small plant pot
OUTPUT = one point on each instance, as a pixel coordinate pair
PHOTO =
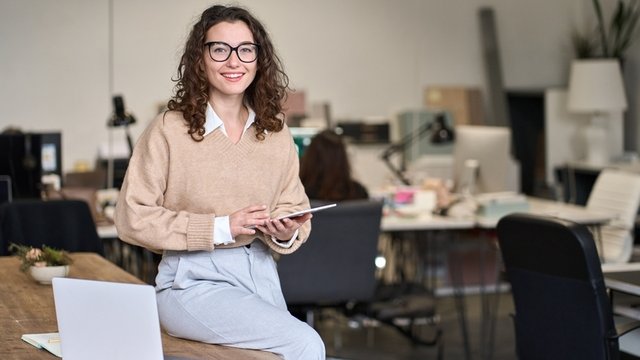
(44, 274)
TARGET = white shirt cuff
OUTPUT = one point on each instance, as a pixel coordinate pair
(285, 244)
(222, 231)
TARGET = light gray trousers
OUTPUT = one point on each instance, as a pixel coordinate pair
(231, 297)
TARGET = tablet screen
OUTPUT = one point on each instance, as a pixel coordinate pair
(302, 212)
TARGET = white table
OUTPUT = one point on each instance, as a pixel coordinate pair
(425, 222)
(627, 281)
(389, 223)
(571, 212)
(425, 226)
(107, 231)
(428, 223)
(539, 206)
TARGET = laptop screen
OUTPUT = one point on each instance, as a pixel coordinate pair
(102, 320)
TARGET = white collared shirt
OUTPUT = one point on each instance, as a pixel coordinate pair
(222, 228)
(213, 121)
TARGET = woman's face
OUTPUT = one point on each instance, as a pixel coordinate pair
(232, 76)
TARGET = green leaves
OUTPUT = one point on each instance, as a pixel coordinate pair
(603, 35)
(622, 29)
(584, 46)
(47, 256)
(611, 41)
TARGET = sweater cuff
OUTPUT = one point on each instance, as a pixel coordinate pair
(200, 232)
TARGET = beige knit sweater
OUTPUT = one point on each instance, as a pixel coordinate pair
(175, 186)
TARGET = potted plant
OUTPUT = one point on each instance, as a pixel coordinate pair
(43, 264)
(609, 41)
(600, 51)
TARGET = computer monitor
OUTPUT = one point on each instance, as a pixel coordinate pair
(481, 158)
(26, 157)
(302, 137)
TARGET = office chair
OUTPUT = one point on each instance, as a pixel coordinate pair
(335, 268)
(616, 192)
(561, 305)
(337, 263)
(62, 224)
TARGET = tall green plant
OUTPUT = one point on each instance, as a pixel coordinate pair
(622, 31)
(603, 35)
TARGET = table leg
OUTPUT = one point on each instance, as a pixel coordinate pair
(457, 282)
(490, 308)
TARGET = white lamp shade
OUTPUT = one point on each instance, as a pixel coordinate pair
(595, 85)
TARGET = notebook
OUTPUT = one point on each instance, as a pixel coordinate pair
(102, 320)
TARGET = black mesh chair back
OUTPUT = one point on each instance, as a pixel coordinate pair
(561, 306)
(337, 263)
(62, 224)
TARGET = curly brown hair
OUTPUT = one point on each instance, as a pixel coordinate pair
(325, 171)
(265, 94)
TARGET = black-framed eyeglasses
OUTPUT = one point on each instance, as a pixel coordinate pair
(221, 51)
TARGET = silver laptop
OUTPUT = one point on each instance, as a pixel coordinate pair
(102, 320)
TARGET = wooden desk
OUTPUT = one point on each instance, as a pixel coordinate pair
(28, 307)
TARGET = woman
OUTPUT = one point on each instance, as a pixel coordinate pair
(204, 185)
(325, 170)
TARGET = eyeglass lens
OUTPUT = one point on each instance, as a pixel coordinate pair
(220, 51)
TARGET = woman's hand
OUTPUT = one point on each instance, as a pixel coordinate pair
(285, 228)
(243, 221)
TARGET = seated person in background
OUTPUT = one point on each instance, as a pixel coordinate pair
(325, 171)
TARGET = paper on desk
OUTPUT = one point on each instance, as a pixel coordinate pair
(47, 341)
(499, 204)
(503, 197)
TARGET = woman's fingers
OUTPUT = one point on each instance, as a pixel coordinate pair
(244, 221)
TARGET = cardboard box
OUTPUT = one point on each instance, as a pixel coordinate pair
(464, 103)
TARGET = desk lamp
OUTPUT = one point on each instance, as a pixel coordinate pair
(440, 134)
(596, 88)
(118, 119)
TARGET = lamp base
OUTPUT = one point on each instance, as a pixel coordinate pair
(596, 142)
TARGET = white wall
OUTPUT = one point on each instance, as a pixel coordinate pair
(366, 57)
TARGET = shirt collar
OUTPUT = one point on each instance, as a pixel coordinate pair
(213, 121)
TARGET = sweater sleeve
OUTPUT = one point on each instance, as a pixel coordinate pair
(292, 198)
(140, 217)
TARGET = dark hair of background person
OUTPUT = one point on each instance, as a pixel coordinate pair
(265, 94)
(325, 171)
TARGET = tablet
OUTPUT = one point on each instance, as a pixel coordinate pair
(302, 212)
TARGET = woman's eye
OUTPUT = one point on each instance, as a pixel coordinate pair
(247, 49)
